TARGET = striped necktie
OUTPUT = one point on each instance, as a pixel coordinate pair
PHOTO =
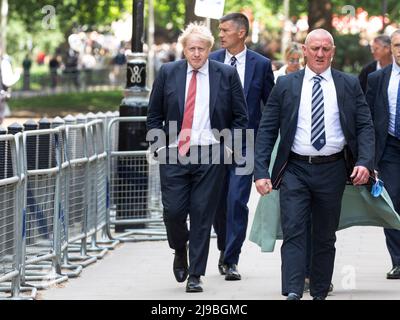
(317, 115)
(233, 61)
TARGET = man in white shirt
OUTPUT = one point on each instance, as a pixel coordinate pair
(192, 99)
(257, 79)
(383, 97)
(323, 119)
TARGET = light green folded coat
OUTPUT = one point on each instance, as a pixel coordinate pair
(359, 208)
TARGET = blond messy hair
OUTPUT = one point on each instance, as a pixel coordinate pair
(198, 29)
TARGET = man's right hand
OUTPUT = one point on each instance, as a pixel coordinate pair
(264, 186)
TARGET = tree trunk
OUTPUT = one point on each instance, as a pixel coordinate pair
(189, 12)
(3, 26)
(320, 14)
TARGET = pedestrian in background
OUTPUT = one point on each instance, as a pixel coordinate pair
(382, 57)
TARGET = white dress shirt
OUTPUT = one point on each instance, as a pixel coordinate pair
(392, 95)
(335, 140)
(201, 133)
(240, 63)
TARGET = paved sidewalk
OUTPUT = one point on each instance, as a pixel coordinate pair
(144, 271)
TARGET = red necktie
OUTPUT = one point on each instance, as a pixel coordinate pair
(184, 136)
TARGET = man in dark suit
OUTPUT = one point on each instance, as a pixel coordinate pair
(383, 97)
(382, 57)
(257, 80)
(192, 100)
(319, 113)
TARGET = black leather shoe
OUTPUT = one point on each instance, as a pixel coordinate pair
(193, 284)
(394, 273)
(318, 298)
(180, 265)
(307, 286)
(232, 273)
(293, 296)
(221, 265)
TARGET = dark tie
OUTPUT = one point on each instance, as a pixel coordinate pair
(233, 61)
(184, 141)
(317, 115)
(397, 122)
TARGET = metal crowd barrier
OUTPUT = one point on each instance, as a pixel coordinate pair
(61, 184)
(77, 192)
(11, 224)
(132, 180)
(40, 243)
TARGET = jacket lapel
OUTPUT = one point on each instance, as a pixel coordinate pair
(385, 86)
(180, 78)
(249, 72)
(214, 78)
(296, 87)
(221, 56)
(339, 87)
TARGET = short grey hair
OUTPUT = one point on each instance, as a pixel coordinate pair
(198, 29)
(320, 32)
(397, 31)
(383, 39)
(239, 19)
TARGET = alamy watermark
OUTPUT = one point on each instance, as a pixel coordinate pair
(228, 147)
(349, 277)
(349, 10)
(49, 20)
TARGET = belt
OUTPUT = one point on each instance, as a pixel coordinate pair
(317, 159)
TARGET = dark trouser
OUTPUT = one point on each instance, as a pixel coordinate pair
(310, 191)
(389, 173)
(192, 189)
(308, 250)
(232, 215)
(220, 216)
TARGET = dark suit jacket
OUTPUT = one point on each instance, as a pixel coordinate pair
(378, 101)
(228, 108)
(363, 77)
(258, 83)
(281, 116)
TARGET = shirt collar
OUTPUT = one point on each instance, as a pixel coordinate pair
(309, 74)
(395, 68)
(203, 70)
(240, 57)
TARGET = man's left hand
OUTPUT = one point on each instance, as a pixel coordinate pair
(360, 175)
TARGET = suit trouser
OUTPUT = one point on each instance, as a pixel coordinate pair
(231, 219)
(192, 189)
(310, 191)
(389, 173)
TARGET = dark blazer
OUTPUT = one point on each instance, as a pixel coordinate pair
(363, 77)
(227, 103)
(258, 82)
(281, 116)
(378, 101)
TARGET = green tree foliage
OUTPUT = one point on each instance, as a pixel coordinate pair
(69, 13)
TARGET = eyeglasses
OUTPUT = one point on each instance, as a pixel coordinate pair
(292, 60)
